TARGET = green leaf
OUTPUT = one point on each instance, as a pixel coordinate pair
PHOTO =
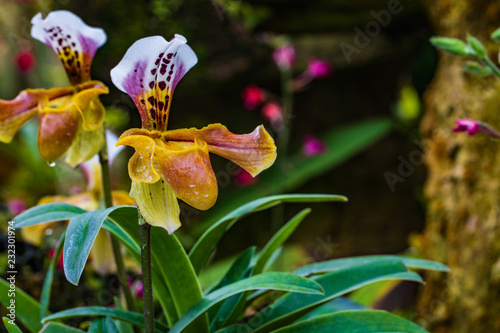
(101, 311)
(123, 327)
(366, 321)
(126, 219)
(60, 328)
(275, 281)
(240, 269)
(47, 213)
(291, 307)
(278, 239)
(173, 263)
(80, 235)
(335, 305)
(26, 308)
(237, 328)
(336, 264)
(205, 245)
(495, 35)
(47, 283)
(11, 328)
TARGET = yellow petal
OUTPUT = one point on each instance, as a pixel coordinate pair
(85, 146)
(254, 152)
(35, 233)
(157, 203)
(88, 104)
(101, 254)
(140, 166)
(59, 126)
(14, 113)
(189, 172)
(122, 198)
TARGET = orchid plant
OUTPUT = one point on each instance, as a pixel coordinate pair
(169, 165)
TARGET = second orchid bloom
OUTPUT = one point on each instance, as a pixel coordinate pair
(171, 164)
(70, 117)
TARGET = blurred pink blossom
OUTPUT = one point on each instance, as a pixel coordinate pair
(25, 61)
(243, 178)
(312, 146)
(252, 96)
(272, 111)
(16, 206)
(319, 69)
(284, 56)
(467, 125)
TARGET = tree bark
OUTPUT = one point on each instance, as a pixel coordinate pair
(463, 186)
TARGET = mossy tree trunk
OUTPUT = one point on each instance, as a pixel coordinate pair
(463, 186)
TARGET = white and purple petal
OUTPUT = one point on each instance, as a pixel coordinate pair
(149, 73)
(74, 42)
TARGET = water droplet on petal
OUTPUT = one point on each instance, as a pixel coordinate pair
(192, 185)
(51, 164)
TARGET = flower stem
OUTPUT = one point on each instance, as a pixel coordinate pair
(492, 66)
(108, 202)
(149, 323)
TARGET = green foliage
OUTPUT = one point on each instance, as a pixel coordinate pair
(495, 35)
(476, 68)
(477, 46)
(26, 308)
(312, 295)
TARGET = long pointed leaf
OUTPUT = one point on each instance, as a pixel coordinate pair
(47, 283)
(366, 321)
(10, 327)
(275, 281)
(205, 245)
(335, 264)
(291, 307)
(47, 213)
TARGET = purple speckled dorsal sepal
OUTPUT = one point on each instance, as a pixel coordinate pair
(149, 73)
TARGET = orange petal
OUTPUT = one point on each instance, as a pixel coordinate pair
(88, 104)
(254, 152)
(157, 203)
(140, 165)
(122, 198)
(59, 126)
(189, 172)
(14, 113)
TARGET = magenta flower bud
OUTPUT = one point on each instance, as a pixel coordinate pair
(467, 125)
(252, 96)
(284, 56)
(312, 146)
(25, 61)
(243, 178)
(319, 69)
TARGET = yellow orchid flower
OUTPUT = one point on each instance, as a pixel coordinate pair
(70, 117)
(171, 164)
(101, 254)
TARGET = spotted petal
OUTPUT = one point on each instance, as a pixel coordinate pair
(74, 42)
(14, 113)
(149, 73)
(254, 152)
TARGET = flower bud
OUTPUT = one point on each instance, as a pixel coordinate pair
(496, 35)
(477, 46)
(452, 45)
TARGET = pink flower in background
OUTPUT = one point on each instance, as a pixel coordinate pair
(319, 69)
(272, 112)
(25, 61)
(284, 56)
(252, 96)
(60, 260)
(16, 206)
(243, 178)
(467, 125)
(312, 146)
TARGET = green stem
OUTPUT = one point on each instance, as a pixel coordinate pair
(108, 202)
(492, 66)
(149, 321)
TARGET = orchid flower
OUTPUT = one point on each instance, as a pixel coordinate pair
(101, 254)
(70, 117)
(171, 164)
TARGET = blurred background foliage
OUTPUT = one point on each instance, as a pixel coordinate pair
(384, 80)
